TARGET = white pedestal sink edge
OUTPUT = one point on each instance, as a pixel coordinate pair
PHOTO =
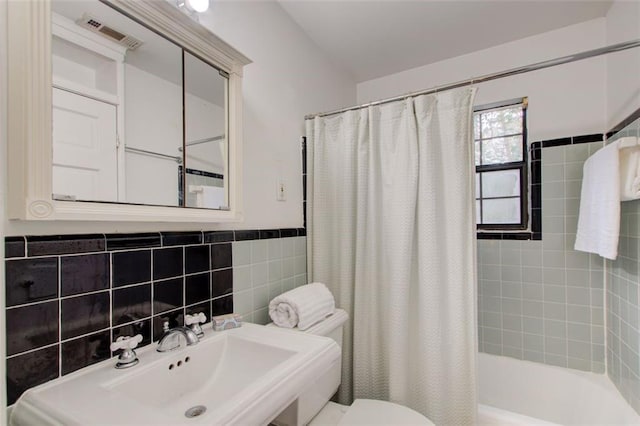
(259, 405)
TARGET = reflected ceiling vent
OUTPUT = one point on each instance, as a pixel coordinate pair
(95, 25)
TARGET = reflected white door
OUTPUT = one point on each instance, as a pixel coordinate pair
(85, 162)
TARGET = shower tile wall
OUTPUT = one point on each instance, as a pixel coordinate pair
(623, 304)
(541, 300)
(263, 269)
(69, 296)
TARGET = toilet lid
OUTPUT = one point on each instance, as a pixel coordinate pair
(373, 412)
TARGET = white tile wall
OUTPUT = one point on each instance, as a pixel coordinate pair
(541, 300)
(263, 269)
(623, 300)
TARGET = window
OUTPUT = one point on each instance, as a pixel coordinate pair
(501, 165)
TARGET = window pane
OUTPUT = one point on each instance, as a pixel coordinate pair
(502, 150)
(477, 150)
(505, 183)
(476, 126)
(505, 210)
(477, 185)
(503, 121)
(478, 220)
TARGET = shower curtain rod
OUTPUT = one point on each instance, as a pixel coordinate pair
(488, 77)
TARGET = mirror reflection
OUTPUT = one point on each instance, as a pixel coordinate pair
(135, 118)
(205, 131)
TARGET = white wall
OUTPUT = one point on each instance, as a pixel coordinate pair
(289, 77)
(3, 197)
(623, 68)
(563, 101)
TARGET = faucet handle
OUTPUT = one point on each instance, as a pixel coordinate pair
(128, 357)
(198, 318)
(194, 321)
(126, 342)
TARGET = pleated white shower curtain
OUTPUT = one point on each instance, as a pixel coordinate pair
(391, 231)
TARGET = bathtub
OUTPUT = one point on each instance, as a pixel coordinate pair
(514, 392)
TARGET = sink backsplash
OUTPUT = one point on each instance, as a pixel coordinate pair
(69, 296)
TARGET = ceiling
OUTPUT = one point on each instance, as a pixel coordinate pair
(372, 39)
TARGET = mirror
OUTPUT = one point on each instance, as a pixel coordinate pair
(136, 118)
(84, 71)
(205, 135)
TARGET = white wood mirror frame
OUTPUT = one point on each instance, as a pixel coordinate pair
(30, 115)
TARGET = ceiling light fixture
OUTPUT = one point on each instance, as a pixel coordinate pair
(198, 6)
(192, 7)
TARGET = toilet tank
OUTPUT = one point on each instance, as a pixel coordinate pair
(330, 326)
(317, 394)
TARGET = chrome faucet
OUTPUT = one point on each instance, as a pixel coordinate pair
(171, 338)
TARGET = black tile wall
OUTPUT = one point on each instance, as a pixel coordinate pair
(219, 237)
(221, 256)
(221, 305)
(291, 232)
(181, 238)
(197, 288)
(167, 262)
(303, 150)
(247, 235)
(130, 267)
(131, 304)
(14, 247)
(221, 282)
(87, 350)
(504, 235)
(31, 280)
(168, 295)
(269, 233)
(32, 326)
(85, 273)
(132, 241)
(84, 314)
(64, 244)
(68, 297)
(31, 369)
(196, 259)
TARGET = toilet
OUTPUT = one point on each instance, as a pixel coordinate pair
(314, 408)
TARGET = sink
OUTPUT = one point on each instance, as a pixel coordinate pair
(230, 364)
(243, 376)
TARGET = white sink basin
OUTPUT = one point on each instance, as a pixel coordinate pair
(243, 376)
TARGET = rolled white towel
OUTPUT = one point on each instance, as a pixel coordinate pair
(302, 307)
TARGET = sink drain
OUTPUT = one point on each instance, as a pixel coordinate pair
(195, 411)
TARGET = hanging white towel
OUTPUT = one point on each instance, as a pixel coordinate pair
(629, 168)
(302, 307)
(599, 220)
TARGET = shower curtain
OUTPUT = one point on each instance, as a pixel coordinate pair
(391, 231)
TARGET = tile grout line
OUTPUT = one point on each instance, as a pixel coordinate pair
(59, 317)
(184, 281)
(151, 263)
(50, 345)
